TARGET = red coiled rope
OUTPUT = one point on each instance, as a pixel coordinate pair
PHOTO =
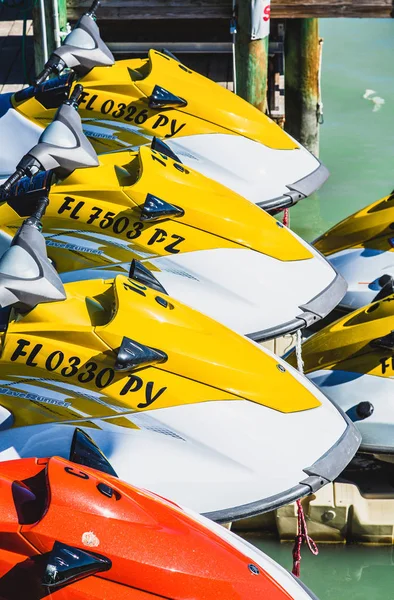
(302, 530)
(302, 536)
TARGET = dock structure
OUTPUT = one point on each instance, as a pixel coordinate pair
(222, 9)
(16, 47)
(277, 69)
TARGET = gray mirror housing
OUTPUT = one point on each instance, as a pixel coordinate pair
(67, 564)
(27, 278)
(84, 49)
(63, 146)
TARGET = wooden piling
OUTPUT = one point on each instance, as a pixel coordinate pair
(39, 58)
(251, 59)
(63, 15)
(302, 65)
(50, 29)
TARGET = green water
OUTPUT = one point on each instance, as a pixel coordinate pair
(340, 572)
(357, 144)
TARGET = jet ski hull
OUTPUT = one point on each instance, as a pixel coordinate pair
(347, 390)
(351, 362)
(130, 543)
(229, 285)
(362, 269)
(271, 178)
(361, 248)
(243, 270)
(210, 456)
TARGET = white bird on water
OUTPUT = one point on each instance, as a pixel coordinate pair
(376, 100)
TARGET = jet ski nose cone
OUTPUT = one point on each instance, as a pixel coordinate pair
(310, 183)
(271, 178)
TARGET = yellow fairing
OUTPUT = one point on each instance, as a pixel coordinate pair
(120, 93)
(76, 342)
(370, 227)
(109, 200)
(346, 344)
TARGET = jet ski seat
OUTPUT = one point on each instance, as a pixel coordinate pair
(18, 132)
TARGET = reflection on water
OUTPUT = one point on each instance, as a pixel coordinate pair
(340, 572)
(357, 143)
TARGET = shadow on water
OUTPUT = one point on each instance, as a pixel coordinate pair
(340, 572)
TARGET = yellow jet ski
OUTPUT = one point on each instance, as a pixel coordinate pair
(127, 103)
(179, 403)
(352, 362)
(361, 248)
(202, 243)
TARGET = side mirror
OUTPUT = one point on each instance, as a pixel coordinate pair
(63, 146)
(27, 278)
(83, 49)
(67, 564)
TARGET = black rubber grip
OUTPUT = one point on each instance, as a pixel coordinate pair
(44, 75)
(7, 185)
(93, 8)
(77, 91)
(41, 208)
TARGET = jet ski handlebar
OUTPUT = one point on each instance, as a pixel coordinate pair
(54, 65)
(92, 10)
(82, 50)
(75, 96)
(27, 277)
(62, 146)
(28, 166)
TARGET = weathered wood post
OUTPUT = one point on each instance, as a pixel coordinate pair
(302, 66)
(49, 29)
(43, 30)
(251, 48)
(63, 15)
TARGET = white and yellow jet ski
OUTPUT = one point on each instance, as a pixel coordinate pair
(361, 248)
(127, 103)
(201, 243)
(352, 362)
(180, 404)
